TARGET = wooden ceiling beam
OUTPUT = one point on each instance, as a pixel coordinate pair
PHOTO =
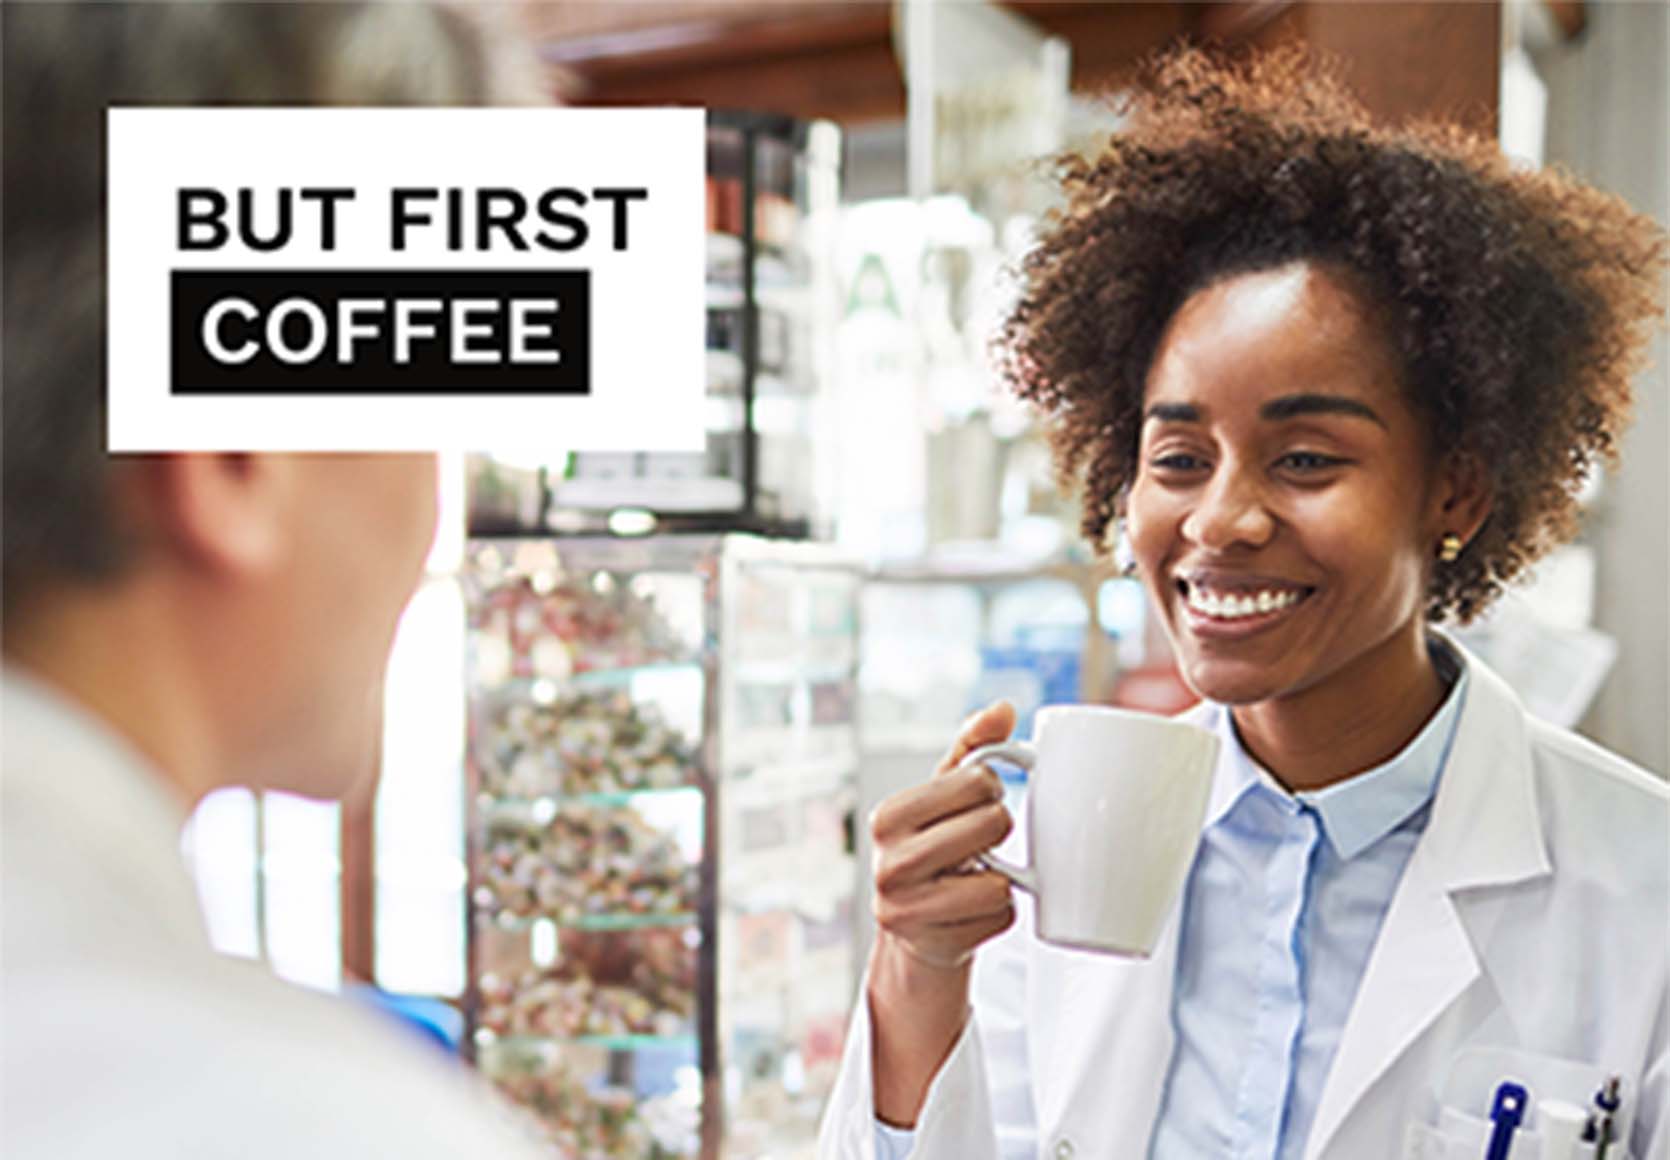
(1423, 61)
(850, 84)
(1107, 39)
(835, 58)
(734, 38)
(1234, 23)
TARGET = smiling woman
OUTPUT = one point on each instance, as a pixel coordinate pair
(1338, 382)
(1287, 507)
(1515, 304)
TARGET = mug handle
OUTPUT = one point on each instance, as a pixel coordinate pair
(1019, 753)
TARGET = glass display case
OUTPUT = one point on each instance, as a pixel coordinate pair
(662, 759)
(772, 193)
(944, 638)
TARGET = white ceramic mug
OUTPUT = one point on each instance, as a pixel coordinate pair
(1115, 803)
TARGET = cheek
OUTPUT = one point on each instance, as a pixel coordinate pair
(1151, 523)
(1370, 545)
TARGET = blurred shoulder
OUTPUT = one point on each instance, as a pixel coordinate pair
(219, 1057)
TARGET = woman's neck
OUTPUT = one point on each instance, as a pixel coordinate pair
(1353, 720)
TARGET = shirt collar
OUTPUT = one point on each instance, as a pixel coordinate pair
(1359, 811)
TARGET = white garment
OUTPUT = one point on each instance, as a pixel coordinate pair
(124, 1034)
(1534, 916)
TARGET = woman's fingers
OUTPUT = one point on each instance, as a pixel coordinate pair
(924, 837)
(947, 946)
(929, 853)
(922, 806)
(947, 794)
(951, 900)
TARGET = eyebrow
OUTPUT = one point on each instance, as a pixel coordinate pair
(1286, 407)
(1292, 406)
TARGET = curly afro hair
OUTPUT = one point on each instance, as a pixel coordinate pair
(1519, 302)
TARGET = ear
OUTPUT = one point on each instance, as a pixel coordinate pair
(225, 512)
(1462, 497)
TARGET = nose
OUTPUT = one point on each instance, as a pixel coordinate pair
(1230, 511)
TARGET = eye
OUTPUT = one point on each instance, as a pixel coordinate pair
(1305, 462)
(1177, 461)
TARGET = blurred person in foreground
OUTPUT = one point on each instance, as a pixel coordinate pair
(178, 623)
(1337, 382)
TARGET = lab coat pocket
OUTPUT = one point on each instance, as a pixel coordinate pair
(1476, 1074)
(1459, 1136)
(1424, 1142)
(1463, 1137)
(1472, 1131)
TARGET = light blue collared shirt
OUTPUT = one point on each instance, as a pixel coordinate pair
(1283, 905)
(1282, 908)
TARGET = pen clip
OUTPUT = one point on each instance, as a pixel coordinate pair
(1608, 1099)
(1507, 1112)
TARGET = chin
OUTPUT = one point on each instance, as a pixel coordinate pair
(1230, 683)
(353, 772)
(332, 761)
(323, 779)
(355, 759)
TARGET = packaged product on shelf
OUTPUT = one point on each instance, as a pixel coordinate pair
(585, 862)
(555, 625)
(833, 702)
(545, 1005)
(589, 1120)
(724, 205)
(605, 984)
(579, 741)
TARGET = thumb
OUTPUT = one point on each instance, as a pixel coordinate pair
(990, 725)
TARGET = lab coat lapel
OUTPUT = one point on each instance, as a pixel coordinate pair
(1104, 1032)
(1485, 830)
(1422, 962)
(1110, 1021)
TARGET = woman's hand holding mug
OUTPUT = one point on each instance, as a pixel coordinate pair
(1117, 799)
(930, 901)
(932, 910)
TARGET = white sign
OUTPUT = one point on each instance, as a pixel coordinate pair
(406, 279)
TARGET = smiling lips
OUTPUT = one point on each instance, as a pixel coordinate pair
(1263, 601)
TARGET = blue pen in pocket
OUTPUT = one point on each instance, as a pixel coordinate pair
(1507, 1112)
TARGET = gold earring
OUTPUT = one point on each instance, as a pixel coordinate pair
(1449, 548)
(1124, 558)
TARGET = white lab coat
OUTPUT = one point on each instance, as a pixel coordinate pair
(1534, 915)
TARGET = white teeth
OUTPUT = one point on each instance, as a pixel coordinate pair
(1229, 606)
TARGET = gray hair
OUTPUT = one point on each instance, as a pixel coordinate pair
(64, 64)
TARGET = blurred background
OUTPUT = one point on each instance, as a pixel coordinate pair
(642, 704)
